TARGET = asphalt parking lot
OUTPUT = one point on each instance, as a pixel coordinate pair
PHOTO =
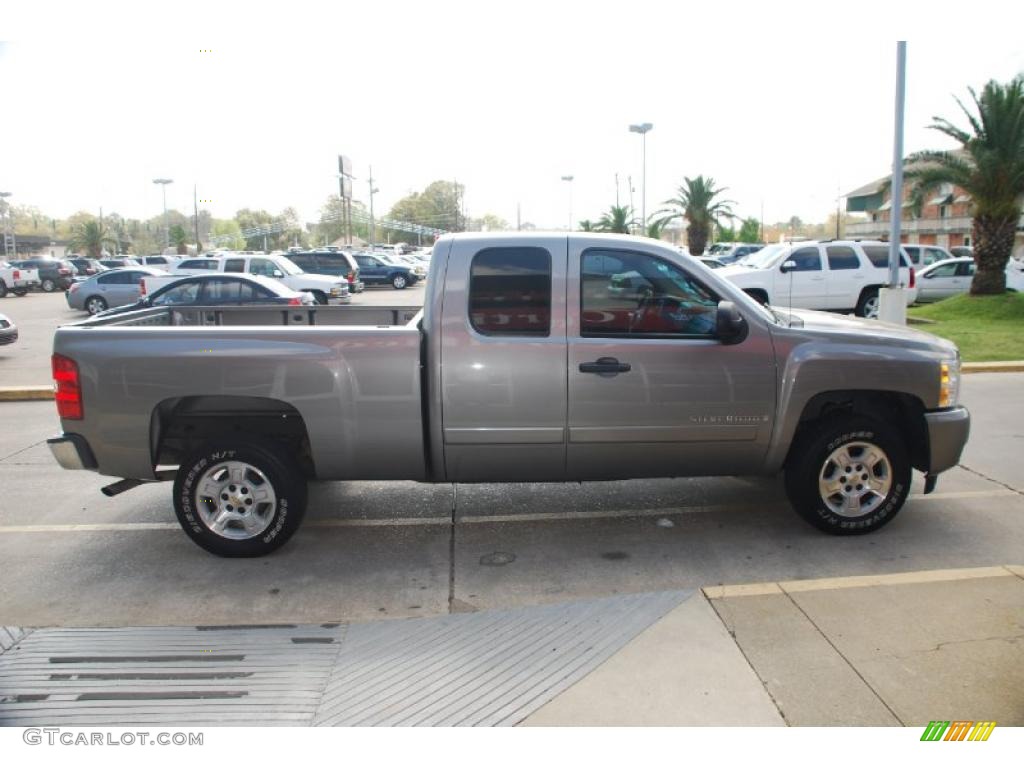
(373, 550)
(37, 315)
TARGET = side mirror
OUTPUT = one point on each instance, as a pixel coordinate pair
(730, 327)
(789, 266)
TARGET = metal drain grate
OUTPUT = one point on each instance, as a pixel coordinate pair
(488, 668)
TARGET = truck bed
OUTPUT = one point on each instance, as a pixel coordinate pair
(352, 374)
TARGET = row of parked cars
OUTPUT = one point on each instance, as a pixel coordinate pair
(846, 275)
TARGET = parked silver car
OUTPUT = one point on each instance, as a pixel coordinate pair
(113, 288)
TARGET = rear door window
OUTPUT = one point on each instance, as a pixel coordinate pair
(510, 292)
(842, 257)
(234, 265)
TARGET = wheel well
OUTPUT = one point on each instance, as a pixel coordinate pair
(181, 425)
(866, 290)
(902, 411)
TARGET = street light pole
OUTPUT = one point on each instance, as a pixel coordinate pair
(892, 306)
(642, 129)
(167, 229)
(569, 179)
(9, 231)
(373, 223)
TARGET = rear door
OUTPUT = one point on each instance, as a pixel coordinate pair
(503, 347)
(847, 276)
(652, 391)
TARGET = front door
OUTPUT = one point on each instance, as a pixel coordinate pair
(652, 391)
(804, 286)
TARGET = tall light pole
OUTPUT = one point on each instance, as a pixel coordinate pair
(167, 229)
(373, 223)
(9, 232)
(892, 305)
(642, 129)
(569, 179)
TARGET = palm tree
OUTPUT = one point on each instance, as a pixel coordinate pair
(695, 201)
(586, 226)
(618, 219)
(180, 239)
(989, 167)
(654, 229)
(91, 236)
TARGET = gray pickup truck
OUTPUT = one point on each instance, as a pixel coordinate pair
(536, 357)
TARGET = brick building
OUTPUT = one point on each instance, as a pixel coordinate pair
(945, 217)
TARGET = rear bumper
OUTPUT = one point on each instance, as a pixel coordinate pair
(8, 335)
(72, 451)
(947, 435)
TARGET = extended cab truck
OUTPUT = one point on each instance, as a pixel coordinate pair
(17, 280)
(531, 361)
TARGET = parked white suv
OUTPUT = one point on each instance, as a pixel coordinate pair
(838, 275)
(325, 289)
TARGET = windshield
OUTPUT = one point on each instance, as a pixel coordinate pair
(288, 266)
(763, 258)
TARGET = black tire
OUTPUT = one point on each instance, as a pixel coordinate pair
(19, 292)
(867, 304)
(761, 297)
(48, 285)
(3, 289)
(95, 304)
(809, 467)
(286, 484)
(399, 282)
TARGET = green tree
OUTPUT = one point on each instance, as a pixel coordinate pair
(489, 222)
(439, 205)
(619, 219)
(989, 167)
(587, 226)
(91, 237)
(179, 239)
(725, 234)
(226, 233)
(696, 202)
(654, 229)
(750, 231)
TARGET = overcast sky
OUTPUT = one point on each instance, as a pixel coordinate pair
(783, 103)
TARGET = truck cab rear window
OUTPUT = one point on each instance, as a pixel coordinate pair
(510, 292)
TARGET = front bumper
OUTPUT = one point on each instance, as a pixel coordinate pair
(72, 451)
(947, 435)
(337, 300)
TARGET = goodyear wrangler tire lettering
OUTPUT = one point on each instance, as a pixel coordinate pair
(239, 497)
(848, 475)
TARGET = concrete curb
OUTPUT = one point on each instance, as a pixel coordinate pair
(1001, 366)
(16, 394)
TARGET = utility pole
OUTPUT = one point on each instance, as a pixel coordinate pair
(195, 204)
(642, 129)
(519, 217)
(373, 223)
(617, 190)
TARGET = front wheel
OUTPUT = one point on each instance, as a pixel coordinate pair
(239, 497)
(49, 286)
(399, 282)
(848, 475)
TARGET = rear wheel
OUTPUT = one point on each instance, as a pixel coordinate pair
(49, 285)
(399, 282)
(867, 306)
(239, 497)
(95, 304)
(848, 475)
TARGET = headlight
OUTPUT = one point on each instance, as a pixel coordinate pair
(336, 291)
(949, 383)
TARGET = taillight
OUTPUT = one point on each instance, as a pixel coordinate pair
(73, 288)
(142, 287)
(913, 278)
(68, 388)
(17, 275)
(294, 301)
(63, 271)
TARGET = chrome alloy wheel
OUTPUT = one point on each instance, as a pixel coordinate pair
(871, 307)
(235, 500)
(855, 479)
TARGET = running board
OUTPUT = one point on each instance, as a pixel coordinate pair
(128, 483)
